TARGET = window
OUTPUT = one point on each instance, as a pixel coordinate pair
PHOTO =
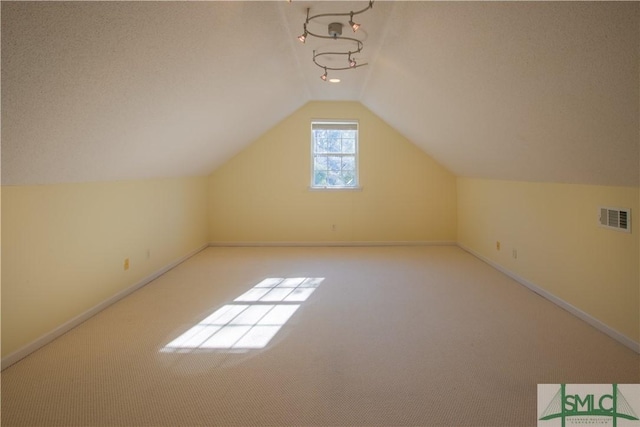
(334, 149)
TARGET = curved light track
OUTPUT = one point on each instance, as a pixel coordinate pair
(335, 33)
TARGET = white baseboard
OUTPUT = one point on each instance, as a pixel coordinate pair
(602, 327)
(67, 326)
(335, 243)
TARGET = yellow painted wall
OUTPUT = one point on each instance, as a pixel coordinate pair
(560, 247)
(263, 194)
(63, 246)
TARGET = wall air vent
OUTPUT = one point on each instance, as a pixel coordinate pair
(615, 218)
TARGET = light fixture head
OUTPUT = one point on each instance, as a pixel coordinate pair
(352, 62)
(354, 25)
(302, 37)
(324, 76)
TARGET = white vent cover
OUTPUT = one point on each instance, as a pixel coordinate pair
(616, 218)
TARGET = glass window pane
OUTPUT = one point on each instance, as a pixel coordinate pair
(334, 179)
(333, 134)
(348, 163)
(349, 178)
(349, 146)
(334, 145)
(320, 163)
(334, 163)
(320, 178)
(321, 145)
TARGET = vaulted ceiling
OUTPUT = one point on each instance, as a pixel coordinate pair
(95, 91)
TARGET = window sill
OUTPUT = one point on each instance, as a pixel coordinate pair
(335, 188)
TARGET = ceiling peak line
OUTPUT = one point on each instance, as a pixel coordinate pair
(385, 28)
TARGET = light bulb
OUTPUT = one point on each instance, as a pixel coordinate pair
(354, 25)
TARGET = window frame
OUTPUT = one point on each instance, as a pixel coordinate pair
(314, 154)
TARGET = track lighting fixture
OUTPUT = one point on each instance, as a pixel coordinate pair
(334, 31)
(354, 26)
(352, 62)
(302, 37)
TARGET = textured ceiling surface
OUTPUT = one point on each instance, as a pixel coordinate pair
(96, 91)
(543, 91)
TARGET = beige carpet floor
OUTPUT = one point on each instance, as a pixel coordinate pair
(427, 336)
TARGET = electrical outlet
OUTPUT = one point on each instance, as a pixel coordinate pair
(497, 246)
(333, 227)
(126, 263)
(515, 254)
(148, 253)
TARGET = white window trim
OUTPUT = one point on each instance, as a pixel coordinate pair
(357, 187)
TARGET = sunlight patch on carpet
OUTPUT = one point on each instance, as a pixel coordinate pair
(251, 320)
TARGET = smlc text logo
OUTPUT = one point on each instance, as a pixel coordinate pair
(562, 405)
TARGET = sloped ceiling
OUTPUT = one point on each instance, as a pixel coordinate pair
(542, 91)
(95, 91)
